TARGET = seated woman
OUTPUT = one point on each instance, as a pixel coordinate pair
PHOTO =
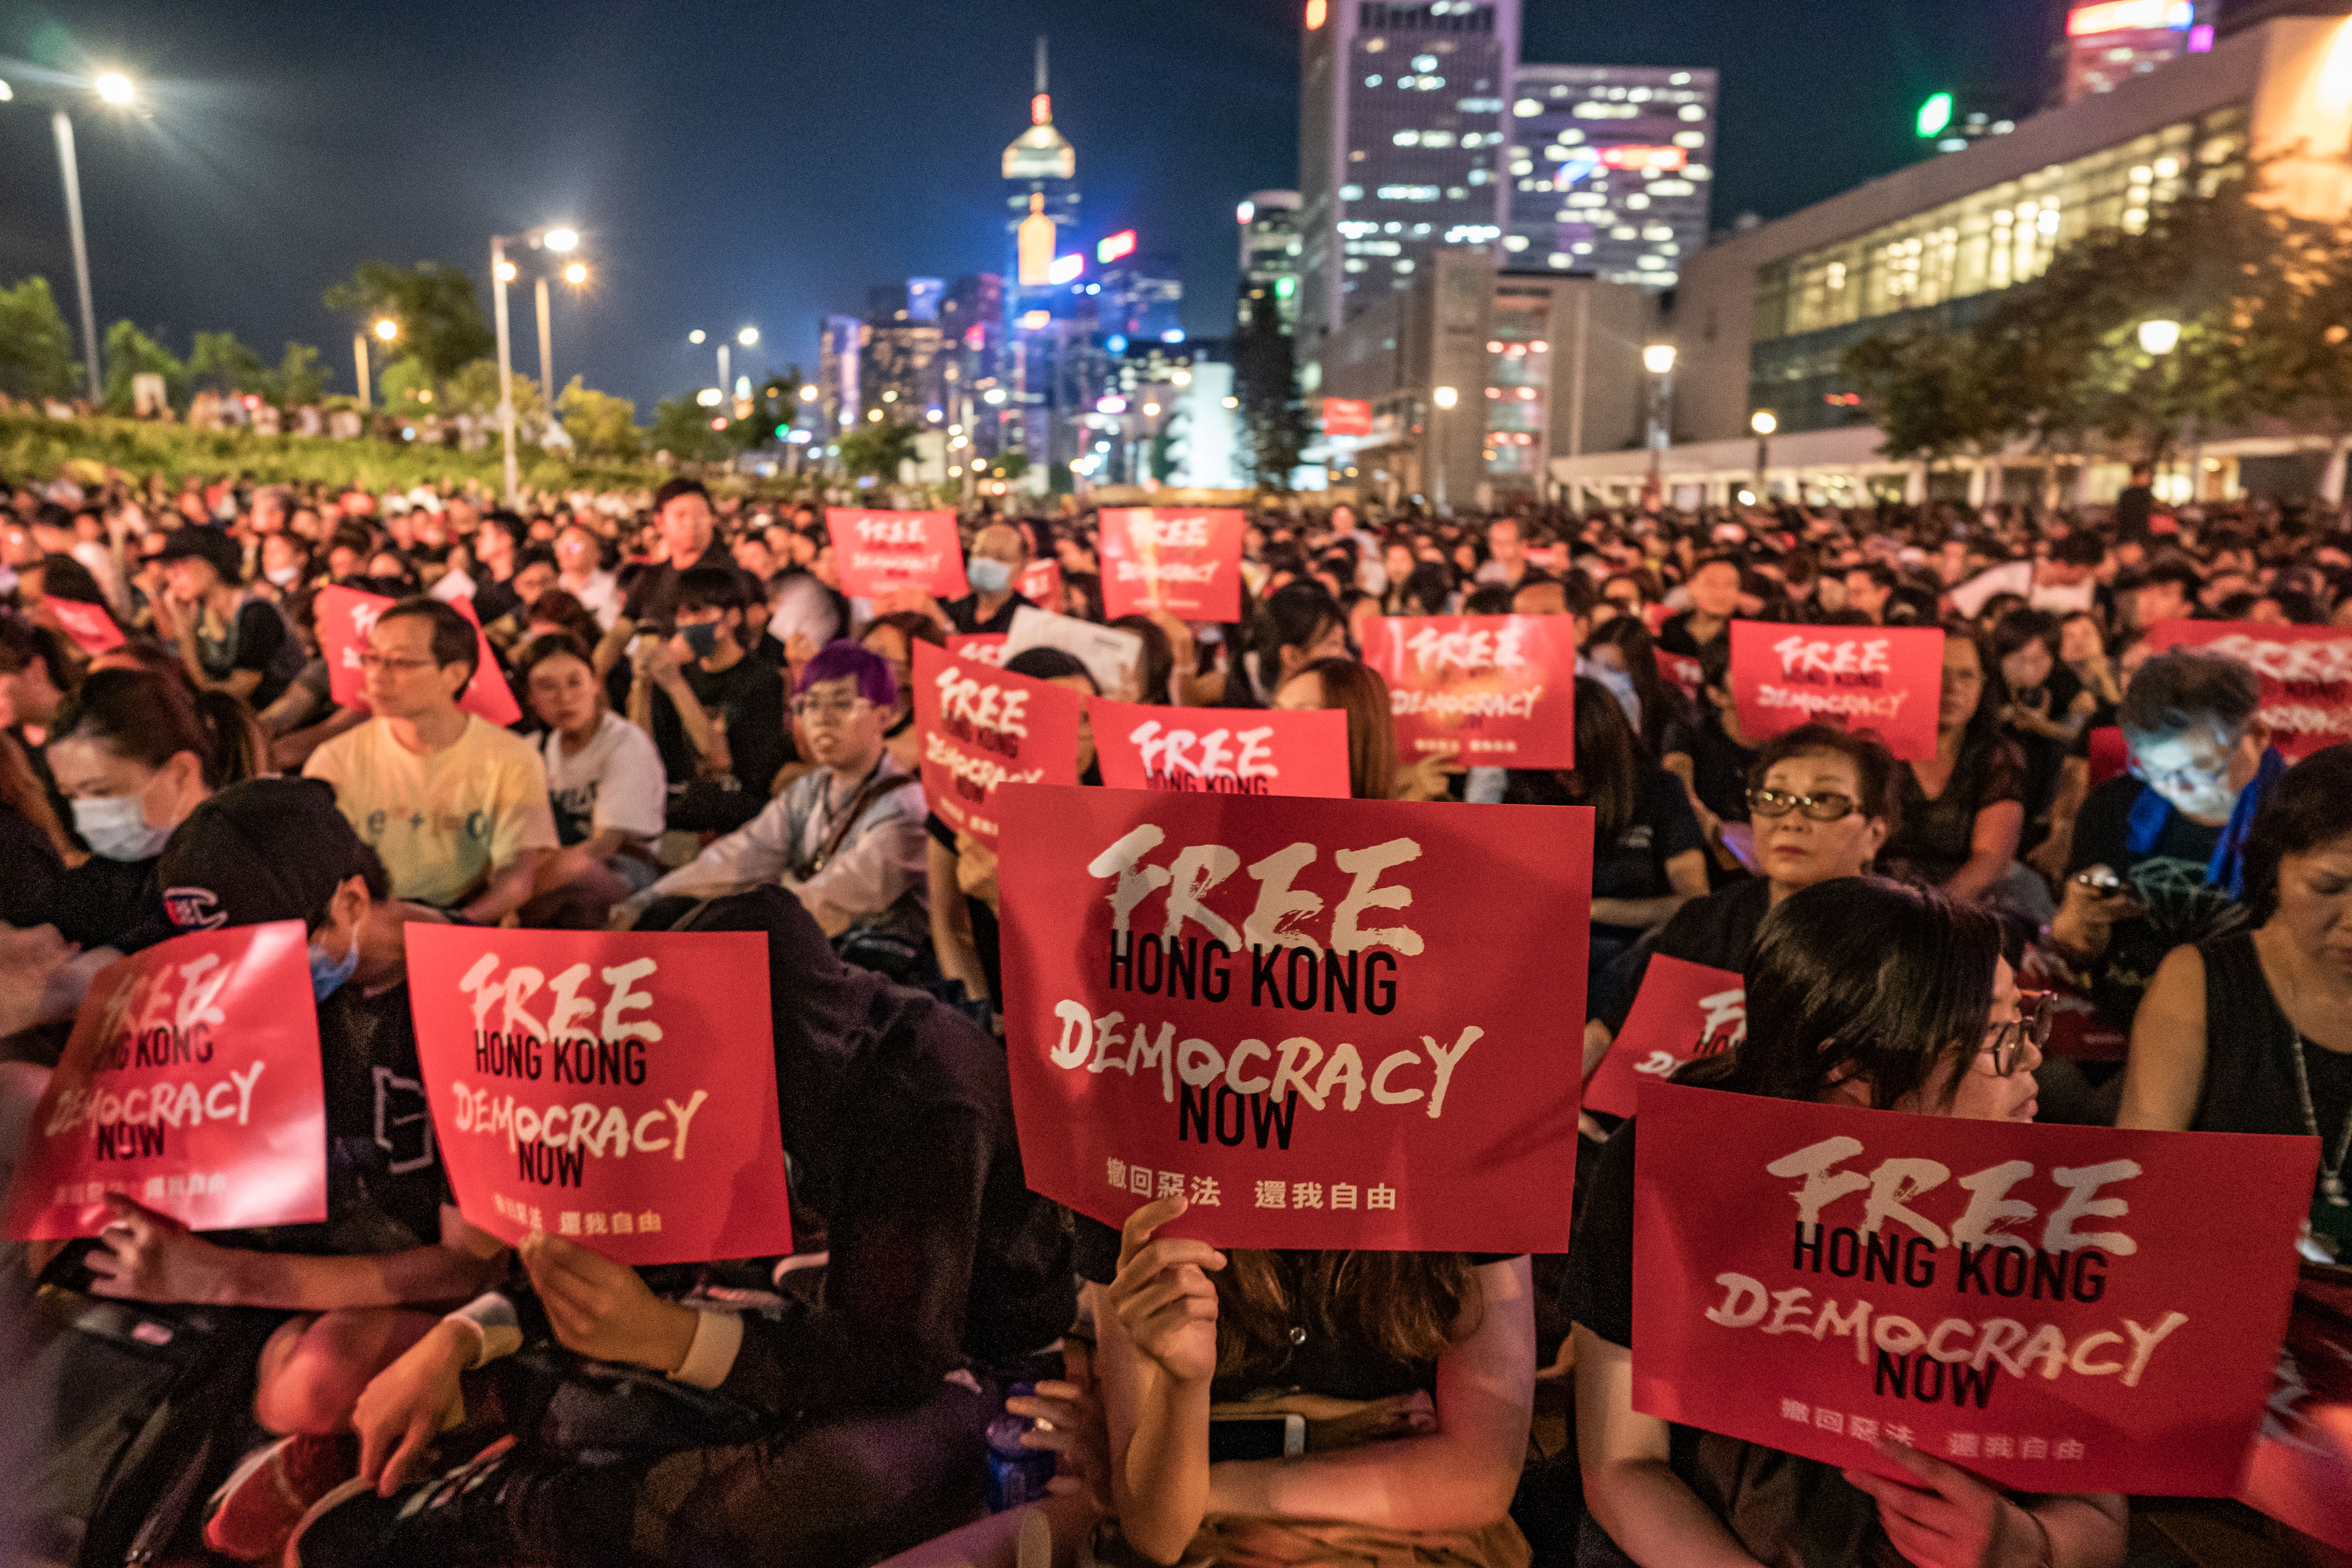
(604, 781)
(1416, 1371)
(1964, 807)
(1649, 858)
(2251, 1032)
(1373, 773)
(1860, 992)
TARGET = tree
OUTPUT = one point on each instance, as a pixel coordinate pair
(36, 349)
(1927, 393)
(440, 320)
(130, 353)
(475, 390)
(300, 379)
(877, 449)
(682, 428)
(1273, 421)
(1164, 441)
(599, 424)
(219, 362)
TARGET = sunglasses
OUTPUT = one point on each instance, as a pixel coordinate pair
(1826, 808)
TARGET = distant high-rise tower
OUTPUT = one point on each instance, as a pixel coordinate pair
(1270, 247)
(1404, 122)
(1043, 168)
(1611, 167)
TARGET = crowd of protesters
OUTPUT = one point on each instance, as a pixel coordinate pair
(713, 736)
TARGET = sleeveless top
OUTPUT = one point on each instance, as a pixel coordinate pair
(2250, 1084)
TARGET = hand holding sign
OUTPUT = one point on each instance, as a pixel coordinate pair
(1163, 1293)
(602, 1309)
(1884, 678)
(1947, 1515)
(984, 728)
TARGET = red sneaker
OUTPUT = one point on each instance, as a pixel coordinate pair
(256, 1511)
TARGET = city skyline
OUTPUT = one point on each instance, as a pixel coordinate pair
(279, 157)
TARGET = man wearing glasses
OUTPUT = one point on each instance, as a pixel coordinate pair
(846, 838)
(454, 807)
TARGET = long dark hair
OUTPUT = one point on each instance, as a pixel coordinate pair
(1861, 976)
(2307, 811)
(1608, 758)
(1661, 702)
(1359, 692)
(149, 718)
(1399, 1305)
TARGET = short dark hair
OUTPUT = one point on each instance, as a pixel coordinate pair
(454, 638)
(1041, 664)
(1878, 572)
(677, 488)
(1873, 766)
(2081, 547)
(551, 645)
(2175, 692)
(2304, 811)
(720, 588)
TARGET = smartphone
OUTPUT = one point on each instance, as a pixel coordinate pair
(1268, 1437)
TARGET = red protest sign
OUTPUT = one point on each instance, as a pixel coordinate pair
(978, 647)
(1498, 689)
(984, 728)
(1684, 1011)
(1188, 563)
(2307, 673)
(2056, 1309)
(2301, 1472)
(1221, 751)
(595, 1084)
(191, 1086)
(1884, 678)
(344, 616)
(877, 551)
(1314, 1018)
(91, 628)
(1040, 584)
(1346, 416)
(1684, 671)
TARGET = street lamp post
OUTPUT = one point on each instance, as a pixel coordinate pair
(1445, 398)
(1658, 359)
(503, 272)
(2158, 337)
(1763, 421)
(387, 330)
(115, 89)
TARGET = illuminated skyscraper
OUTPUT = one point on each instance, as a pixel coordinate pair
(1043, 169)
(1611, 167)
(1402, 126)
(1270, 250)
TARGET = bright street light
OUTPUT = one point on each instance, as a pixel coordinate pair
(387, 328)
(1445, 397)
(2160, 337)
(115, 88)
(504, 271)
(808, 393)
(1658, 359)
(7, 92)
(559, 239)
(695, 336)
(576, 274)
(710, 397)
(748, 336)
(1763, 421)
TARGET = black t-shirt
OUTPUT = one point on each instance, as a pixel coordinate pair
(1675, 637)
(2169, 880)
(1717, 931)
(1933, 841)
(385, 1182)
(749, 696)
(652, 600)
(1319, 1364)
(105, 903)
(29, 869)
(493, 600)
(965, 613)
(256, 639)
(1632, 864)
(1719, 768)
(1812, 1513)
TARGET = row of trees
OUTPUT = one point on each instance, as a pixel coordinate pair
(2263, 300)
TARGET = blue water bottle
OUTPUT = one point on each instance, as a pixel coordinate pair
(1016, 1474)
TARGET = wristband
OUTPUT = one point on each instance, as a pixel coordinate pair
(712, 1355)
(496, 1331)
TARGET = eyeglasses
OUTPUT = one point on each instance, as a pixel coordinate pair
(828, 710)
(374, 662)
(1825, 808)
(2006, 1044)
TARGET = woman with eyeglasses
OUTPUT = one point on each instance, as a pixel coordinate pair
(2251, 1032)
(1821, 802)
(1860, 992)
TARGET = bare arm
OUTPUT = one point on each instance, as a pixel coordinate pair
(146, 1257)
(951, 922)
(1991, 847)
(2165, 1073)
(2050, 857)
(1460, 1477)
(510, 888)
(1629, 1487)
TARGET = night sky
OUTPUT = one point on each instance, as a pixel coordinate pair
(765, 164)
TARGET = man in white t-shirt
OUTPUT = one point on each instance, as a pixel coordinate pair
(454, 807)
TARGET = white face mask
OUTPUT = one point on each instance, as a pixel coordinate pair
(285, 576)
(116, 828)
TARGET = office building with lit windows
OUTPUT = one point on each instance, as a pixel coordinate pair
(1269, 264)
(1403, 120)
(1611, 167)
(1763, 317)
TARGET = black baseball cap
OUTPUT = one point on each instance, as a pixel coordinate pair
(269, 849)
